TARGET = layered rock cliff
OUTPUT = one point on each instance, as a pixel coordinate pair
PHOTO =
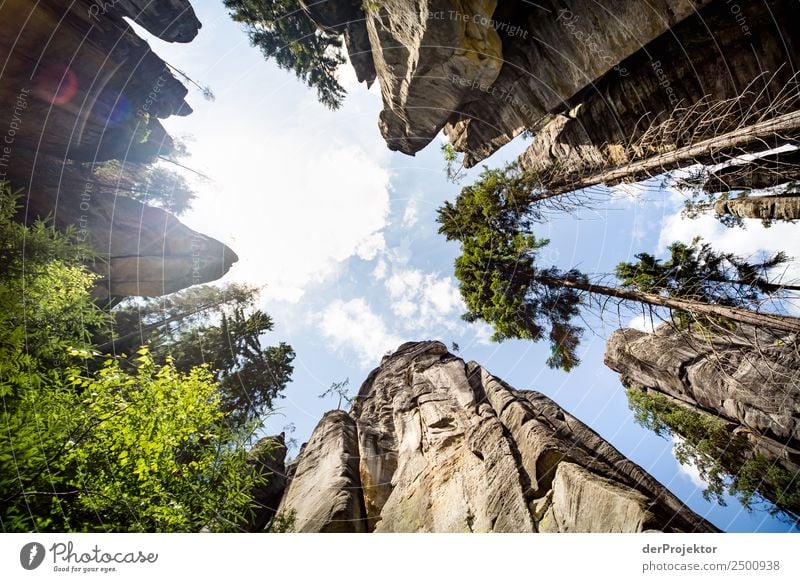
(748, 380)
(78, 85)
(435, 444)
(585, 79)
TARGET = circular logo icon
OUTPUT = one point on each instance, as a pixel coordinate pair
(31, 555)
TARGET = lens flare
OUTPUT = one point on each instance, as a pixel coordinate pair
(112, 108)
(57, 84)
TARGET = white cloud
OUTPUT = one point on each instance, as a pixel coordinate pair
(379, 272)
(354, 326)
(689, 469)
(483, 333)
(748, 242)
(369, 247)
(294, 212)
(423, 301)
(643, 323)
(410, 215)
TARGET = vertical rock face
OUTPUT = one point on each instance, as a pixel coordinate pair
(347, 18)
(556, 50)
(325, 491)
(78, 85)
(141, 250)
(434, 444)
(783, 207)
(268, 456)
(585, 79)
(749, 381)
(486, 70)
(430, 57)
(705, 58)
(170, 20)
(95, 88)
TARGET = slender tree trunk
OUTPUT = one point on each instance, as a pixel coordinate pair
(687, 155)
(779, 207)
(126, 341)
(764, 172)
(764, 286)
(745, 316)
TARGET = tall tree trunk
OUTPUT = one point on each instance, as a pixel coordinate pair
(745, 316)
(704, 150)
(764, 286)
(128, 340)
(764, 172)
(780, 207)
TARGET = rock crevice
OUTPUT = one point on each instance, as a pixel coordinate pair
(434, 444)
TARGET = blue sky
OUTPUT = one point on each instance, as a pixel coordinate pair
(342, 232)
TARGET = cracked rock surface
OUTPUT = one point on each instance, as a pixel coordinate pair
(436, 444)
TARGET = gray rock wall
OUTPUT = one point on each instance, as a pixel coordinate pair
(441, 445)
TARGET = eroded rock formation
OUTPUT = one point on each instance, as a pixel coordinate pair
(781, 207)
(78, 85)
(752, 379)
(748, 380)
(435, 444)
(140, 250)
(683, 75)
(585, 79)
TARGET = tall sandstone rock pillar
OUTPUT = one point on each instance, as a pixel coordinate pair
(747, 381)
(435, 444)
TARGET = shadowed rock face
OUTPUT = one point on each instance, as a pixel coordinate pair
(485, 70)
(749, 381)
(141, 250)
(434, 444)
(325, 490)
(586, 79)
(346, 18)
(92, 81)
(429, 63)
(78, 85)
(170, 20)
(705, 58)
(268, 456)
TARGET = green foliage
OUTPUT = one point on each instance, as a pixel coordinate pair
(149, 184)
(338, 389)
(44, 300)
(698, 273)
(284, 522)
(451, 158)
(498, 200)
(122, 451)
(218, 326)
(155, 455)
(283, 32)
(502, 285)
(99, 446)
(725, 460)
(499, 280)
